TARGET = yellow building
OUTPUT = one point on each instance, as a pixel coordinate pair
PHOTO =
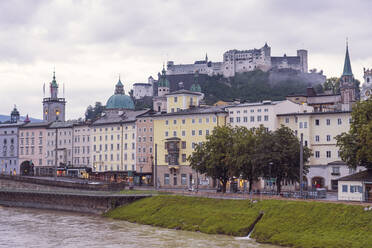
(319, 130)
(176, 133)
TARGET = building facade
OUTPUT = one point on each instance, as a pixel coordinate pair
(9, 150)
(33, 148)
(367, 85)
(252, 115)
(81, 145)
(319, 130)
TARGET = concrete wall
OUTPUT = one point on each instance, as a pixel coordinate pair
(88, 203)
(348, 195)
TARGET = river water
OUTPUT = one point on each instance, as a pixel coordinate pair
(20, 227)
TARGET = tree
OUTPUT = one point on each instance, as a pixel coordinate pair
(93, 113)
(356, 145)
(332, 84)
(280, 155)
(244, 150)
(214, 157)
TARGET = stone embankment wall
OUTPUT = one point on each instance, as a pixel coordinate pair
(40, 183)
(87, 203)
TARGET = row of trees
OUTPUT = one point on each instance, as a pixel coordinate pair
(238, 152)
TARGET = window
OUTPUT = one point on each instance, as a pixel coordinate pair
(252, 118)
(287, 120)
(317, 154)
(344, 188)
(301, 125)
(266, 110)
(174, 121)
(193, 121)
(238, 119)
(259, 118)
(231, 119)
(339, 121)
(214, 119)
(166, 133)
(317, 138)
(183, 157)
(166, 122)
(183, 144)
(193, 132)
(245, 119)
(328, 121)
(328, 137)
(336, 170)
(166, 179)
(183, 179)
(259, 110)
(183, 121)
(200, 120)
(174, 133)
(328, 153)
(207, 120)
(207, 132)
(305, 124)
(200, 132)
(266, 118)
(183, 133)
(175, 99)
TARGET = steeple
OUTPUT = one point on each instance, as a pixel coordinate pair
(347, 65)
(54, 87)
(119, 88)
(14, 115)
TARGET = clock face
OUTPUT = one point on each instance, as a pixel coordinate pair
(46, 111)
(368, 92)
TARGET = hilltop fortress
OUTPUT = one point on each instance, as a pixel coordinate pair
(239, 61)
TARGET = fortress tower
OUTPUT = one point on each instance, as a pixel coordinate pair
(54, 107)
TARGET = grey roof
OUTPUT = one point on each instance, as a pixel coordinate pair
(63, 124)
(316, 113)
(117, 117)
(183, 91)
(142, 84)
(255, 104)
(36, 124)
(364, 176)
(18, 124)
(190, 111)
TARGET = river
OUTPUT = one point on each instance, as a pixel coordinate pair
(20, 227)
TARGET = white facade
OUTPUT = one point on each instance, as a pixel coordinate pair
(9, 157)
(252, 115)
(319, 130)
(81, 146)
(366, 91)
(351, 191)
(140, 90)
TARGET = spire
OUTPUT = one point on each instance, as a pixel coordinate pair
(206, 57)
(27, 120)
(119, 88)
(54, 82)
(347, 64)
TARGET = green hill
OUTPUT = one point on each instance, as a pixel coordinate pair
(251, 86)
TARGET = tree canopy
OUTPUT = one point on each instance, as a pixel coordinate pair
(230, 153)
(93, 113)
(356, 145)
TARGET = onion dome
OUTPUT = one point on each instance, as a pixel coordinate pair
(119, 100)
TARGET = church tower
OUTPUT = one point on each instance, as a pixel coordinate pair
(14, 115)
(54, 107)
(347, 84)
(163, 84)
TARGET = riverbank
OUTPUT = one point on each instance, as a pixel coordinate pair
(289, 223)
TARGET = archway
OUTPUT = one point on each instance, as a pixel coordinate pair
(27, 168)
(317, 182)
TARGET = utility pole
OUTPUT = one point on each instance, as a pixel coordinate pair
(301, 162)
(156, 167)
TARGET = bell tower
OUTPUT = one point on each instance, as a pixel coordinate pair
(53, 107)
(347, 83)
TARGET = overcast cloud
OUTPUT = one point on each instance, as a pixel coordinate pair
(91, 42)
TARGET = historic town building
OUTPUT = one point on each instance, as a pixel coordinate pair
(367, 85)
(238, 61)
(53, 106)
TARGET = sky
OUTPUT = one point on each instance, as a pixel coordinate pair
(89, 43)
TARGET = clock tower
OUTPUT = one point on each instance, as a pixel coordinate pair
(53, 107)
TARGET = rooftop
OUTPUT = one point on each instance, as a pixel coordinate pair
(360, 176)
(117, 117)
(190, 111)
